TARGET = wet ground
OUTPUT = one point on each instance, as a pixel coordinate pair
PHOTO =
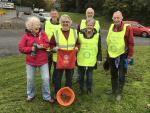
(9, 40)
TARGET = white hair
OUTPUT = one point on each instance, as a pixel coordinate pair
(64, 18)
(90, 10)
(90, 20)
(32, 22)
(119, 13)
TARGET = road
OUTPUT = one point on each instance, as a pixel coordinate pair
(9, 38)
(12, 14)
(9, 41)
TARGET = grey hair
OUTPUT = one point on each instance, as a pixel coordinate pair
(32, 22)
(117, 12)
(90, 10)
(65, 17)
(90, 20)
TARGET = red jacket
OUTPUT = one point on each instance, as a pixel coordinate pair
(25, 47)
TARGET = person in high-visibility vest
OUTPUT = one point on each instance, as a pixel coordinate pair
(90, 14)
(88, 55)
(120, 46)
(50, 27)
(65, 39)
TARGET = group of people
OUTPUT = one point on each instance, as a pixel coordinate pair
(42, 50)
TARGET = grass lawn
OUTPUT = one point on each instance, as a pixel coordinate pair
(136, 93)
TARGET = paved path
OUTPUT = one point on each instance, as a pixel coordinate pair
(9, 38)
(9, 41)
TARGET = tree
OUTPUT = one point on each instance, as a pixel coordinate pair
(131, 9)
(29, 3)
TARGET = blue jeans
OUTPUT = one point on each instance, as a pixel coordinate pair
(45, 80)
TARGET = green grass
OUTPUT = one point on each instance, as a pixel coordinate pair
(136, 93)
(77, 17)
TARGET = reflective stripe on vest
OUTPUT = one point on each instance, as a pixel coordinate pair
(83, 25)
(64, 44)
(115, 42)
(87, 54)
(50, 28)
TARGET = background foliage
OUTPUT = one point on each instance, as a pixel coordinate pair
(132, 9)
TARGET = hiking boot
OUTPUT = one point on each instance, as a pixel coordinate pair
(80, 92)
(89, 93)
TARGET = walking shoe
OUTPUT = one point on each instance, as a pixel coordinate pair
(51, 100)
(89, 93)
(118, 97)
(28, 99)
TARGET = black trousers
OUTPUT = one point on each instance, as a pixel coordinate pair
(50, 62)
(88, 72)
(118, 74)
(58, 73)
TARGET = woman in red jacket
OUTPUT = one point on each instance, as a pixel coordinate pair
(34, 44)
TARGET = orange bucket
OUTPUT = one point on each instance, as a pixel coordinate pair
(65, 96)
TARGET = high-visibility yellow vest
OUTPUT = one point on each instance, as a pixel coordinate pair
(50, 28)
(87, 54)
(83, 25)
(64, 44)
(115, 42)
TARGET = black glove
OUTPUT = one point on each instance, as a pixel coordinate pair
(106, 65)
(34, 52)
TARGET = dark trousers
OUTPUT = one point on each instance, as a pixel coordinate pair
(50, 62)
(58, 73)
(89, 73)
(117, 74)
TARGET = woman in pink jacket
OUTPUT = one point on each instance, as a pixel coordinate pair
(34, 44)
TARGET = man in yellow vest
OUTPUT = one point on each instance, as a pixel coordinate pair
(88, 55)
(65, 39)
(90, 14)
(50, 27)
(120, 45)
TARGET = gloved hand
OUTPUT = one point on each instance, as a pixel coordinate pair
(34, 49)
(106, 65)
